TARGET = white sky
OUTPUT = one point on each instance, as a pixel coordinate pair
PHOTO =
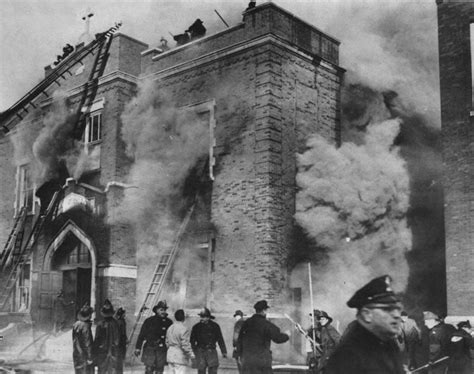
(389, 43)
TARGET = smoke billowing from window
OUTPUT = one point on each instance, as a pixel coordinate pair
(164, 143)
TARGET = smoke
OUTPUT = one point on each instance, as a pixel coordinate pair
(166, 144)
(353, 203)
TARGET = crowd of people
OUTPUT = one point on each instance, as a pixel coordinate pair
(382, 339)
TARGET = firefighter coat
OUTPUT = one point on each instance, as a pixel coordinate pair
(204, 337)
(106, 346)
(460, 346)
(82, 346)
(153, 334)
(253, 345)
(361, 352)
(330, 338)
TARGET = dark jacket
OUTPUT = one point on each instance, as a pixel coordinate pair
(361, 352)
(122, 325)
(460, 346)
(439, 337)
(153, 334)
(330, 338)
(206, 335)
(106, 345)
(81, 343)
(235, 336)
(255, 338)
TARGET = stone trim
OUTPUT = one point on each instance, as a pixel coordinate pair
(117, 271)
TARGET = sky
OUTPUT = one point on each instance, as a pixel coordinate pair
(387, 44)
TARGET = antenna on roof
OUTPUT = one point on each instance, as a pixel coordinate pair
(222, 19)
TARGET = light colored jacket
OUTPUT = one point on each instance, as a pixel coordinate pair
(179, 347)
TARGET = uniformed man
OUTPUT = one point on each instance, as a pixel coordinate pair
(330, 338)
(370, 346)
(437, 341)
(106, 342)
(204, 336)
(239, 320)
(153, 338)
(256, 335)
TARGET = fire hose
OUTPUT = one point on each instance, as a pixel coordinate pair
(302, 331)
(429, 365)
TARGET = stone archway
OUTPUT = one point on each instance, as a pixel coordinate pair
(53, 275)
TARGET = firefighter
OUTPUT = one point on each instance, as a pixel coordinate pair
(255, 339)
(120, 318)
(204, 336)
(153, 338)
(460, 346)
(329, 337)
(196, 30)
(370, 345)
(106, 342)
(82, 342)
(436, 342)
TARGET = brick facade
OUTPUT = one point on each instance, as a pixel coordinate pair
(454, 18)
(271, 81)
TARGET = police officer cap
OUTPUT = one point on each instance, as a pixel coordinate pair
(261, 305)
(430, 315)
(161, 305)
(377, 291)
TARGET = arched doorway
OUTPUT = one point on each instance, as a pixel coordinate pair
(69, 266)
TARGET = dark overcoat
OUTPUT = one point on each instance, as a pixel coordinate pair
(153, 334)
(361, 352)
(253, 346)
(106, 345)
(82, 346)
(460, 347)
(204, 337)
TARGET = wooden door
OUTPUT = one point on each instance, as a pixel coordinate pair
(50, 285)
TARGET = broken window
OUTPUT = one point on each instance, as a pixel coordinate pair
(93, 130)
(25, 189)
(471, 36)
(22, 290)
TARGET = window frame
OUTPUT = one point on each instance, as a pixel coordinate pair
(22, 193)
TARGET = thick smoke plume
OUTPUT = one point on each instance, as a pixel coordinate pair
(165, 143)
(353, 203)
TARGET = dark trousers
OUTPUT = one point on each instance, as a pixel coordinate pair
(153, 370)
(210, 370)
(251, 369)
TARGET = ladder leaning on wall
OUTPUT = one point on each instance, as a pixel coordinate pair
(25, 250)
(155, 288)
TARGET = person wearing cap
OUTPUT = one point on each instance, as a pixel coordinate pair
(436, 341)
(369, 346)
(178, 342)
(460, 345)
(204, 336)
(120, 318)
(329, 337)
(152, 339)
(82, 342)
(255, 337)
(106, 342)
(239, 320)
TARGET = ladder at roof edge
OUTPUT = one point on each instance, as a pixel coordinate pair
(159, 278)
(75, 58)
(9, 285)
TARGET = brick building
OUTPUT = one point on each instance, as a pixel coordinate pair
(283, 80)
(456, 37)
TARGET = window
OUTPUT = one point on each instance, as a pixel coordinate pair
(79, 255)
(22, 291)
(471, 35)
(25, 189)
(93, 130)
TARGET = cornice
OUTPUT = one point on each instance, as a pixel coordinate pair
(239, 48)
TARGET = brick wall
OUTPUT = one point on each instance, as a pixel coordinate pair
(457, 137)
